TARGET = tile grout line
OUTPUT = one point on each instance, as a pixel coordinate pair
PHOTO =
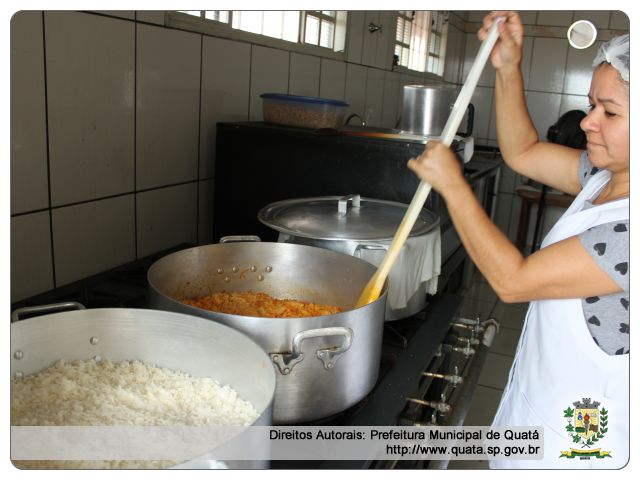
(48, 150)
(199, 141)
(135, 135)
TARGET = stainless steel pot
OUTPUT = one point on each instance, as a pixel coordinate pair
(324, 364)
(426, 109)
(352, 225)
(180, 342)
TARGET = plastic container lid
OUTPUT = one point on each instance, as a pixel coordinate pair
(303, 99)
(340, 218)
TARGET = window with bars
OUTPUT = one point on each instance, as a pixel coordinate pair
(323, 28)
(421, 38)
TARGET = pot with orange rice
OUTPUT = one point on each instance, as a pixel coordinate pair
(295, 301)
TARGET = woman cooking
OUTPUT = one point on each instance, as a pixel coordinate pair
(574, 349)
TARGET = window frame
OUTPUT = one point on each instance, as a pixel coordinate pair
(191, 23)
(440, 56)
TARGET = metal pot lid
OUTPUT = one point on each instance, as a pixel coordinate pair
(343, 218)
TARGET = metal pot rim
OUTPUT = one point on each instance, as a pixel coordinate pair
(267, 215)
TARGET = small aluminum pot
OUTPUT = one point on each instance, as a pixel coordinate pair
(426, 109)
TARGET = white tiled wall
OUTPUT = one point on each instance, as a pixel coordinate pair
(304, 75)
(90, 92)
(166, 217)
(167, 105)
(269, 74)
(28, 128)
(224, 97)
(91, 237)
(113, 129)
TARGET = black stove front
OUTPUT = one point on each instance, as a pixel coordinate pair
(411, 386)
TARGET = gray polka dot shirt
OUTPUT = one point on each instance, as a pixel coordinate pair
(607, 316)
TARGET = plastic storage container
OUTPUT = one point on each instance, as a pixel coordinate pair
(305, 112)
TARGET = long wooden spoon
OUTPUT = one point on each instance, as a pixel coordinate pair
(373, 288)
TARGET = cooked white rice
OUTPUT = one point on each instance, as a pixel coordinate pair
(95, 393)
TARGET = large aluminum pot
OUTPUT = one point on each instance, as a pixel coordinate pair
(324, 364)
(426, 109)
(180, 342)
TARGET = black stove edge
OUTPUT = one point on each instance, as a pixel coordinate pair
(390, 396)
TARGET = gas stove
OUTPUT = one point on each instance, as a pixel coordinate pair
(428, 360)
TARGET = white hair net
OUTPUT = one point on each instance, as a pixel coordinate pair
(616, 53)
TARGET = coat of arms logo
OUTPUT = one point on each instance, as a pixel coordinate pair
(586, 425)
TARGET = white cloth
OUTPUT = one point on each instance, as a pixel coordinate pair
(418, 263)
(557, 362)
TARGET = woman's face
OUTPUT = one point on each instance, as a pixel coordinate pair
(607, 124)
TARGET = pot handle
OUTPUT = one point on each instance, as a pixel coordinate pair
(470, 114)
(45, 309)
(358, 250)
(329, 356)
(343, 203)
(240, 238)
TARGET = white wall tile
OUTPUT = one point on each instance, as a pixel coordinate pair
(481, 100)
(528, 17)
(31, 263)
(93, 237)
(391, 104)
(573, 102)
(527, 53)
(544, 109)
(166, 218)
(371, 40)
(30, 189)
(373, 99)
(493, 127)
(269, 74)
(599, 18)
(386, 37)
(455, 55)
(355, 36)
(90, 91)
(619, 20)
(560, 18)
(333, 77)
(151, 16)
(547, 64)
(205, 212)
(477, 15)
(488, 76)
(578, 73)
(128, 14)
(355, 91)
(225, 93)
(168, 95)
(304, 75)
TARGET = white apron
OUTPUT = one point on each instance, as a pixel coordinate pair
(558, 363)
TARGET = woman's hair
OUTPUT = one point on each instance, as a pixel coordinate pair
(615, 52)
(566, 131)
